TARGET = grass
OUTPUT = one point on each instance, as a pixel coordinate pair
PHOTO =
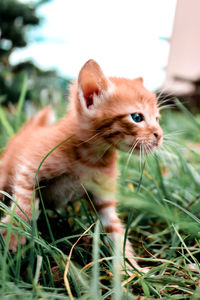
(158, 200)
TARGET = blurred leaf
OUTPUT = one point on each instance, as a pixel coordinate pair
(95, 291)
(2, 98)
(6, 123)
(21, 102)
(187, 113)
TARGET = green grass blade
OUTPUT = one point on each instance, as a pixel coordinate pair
(38, 268)
(184, 210)
(36, 182)
(187, 113)
(117, 263)
(95, 292)
(21, 102)
(6, 123)
(186, 248)
(145, 287)
(130, 216)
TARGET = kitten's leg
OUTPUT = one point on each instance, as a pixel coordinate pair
(114, 227)
(103, 189)
(22, 193)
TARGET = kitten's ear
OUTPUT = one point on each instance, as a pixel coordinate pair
(91, 82)
(139, 80)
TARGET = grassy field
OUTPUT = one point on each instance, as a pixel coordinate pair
(158, 200)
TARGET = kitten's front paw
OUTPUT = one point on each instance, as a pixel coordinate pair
(127, 269)
(14, 237)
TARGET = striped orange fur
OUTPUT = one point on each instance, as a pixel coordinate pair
(99, 121)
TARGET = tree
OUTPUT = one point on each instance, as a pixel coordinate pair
(15, 20)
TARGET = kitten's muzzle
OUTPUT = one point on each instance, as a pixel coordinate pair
(157, 137)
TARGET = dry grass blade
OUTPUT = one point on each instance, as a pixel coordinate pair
(92, 263)
(67, 264)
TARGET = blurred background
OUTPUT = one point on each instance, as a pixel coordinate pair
(50, 40)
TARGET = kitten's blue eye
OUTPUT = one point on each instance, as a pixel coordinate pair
(137, 117)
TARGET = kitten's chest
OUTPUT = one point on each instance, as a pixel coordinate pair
(59, 191)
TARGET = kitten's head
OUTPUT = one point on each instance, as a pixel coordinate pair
(121, 111)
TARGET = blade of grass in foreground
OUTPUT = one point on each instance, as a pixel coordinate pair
(130, 216)
(37, 182)
(95, 292)
(117, 262)
(67, 285)
(21, 102)
(9, 232)
(34, 226)
(5, 123)
(187, 113)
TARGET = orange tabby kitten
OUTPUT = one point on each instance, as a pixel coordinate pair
(105, 114)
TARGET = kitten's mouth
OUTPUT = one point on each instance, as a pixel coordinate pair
(145, 148)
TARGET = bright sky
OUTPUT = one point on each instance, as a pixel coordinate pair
(124, 36)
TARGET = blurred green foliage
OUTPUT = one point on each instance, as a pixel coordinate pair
(16, 19)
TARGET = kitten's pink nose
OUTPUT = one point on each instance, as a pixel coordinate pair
(157, 135)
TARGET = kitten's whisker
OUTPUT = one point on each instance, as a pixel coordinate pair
(145, 149)
(165, 95)
(132, 146)
(169, 157)
(165, 100)
(171, 143)
(170, 139)
(167, 106)
(141, 154)
(140, 157)
(168, 153)
(173, 133)
(104, 152)
(131, 152)
(89, 138)
(150, 151)
(160, 94)
(142, 149)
